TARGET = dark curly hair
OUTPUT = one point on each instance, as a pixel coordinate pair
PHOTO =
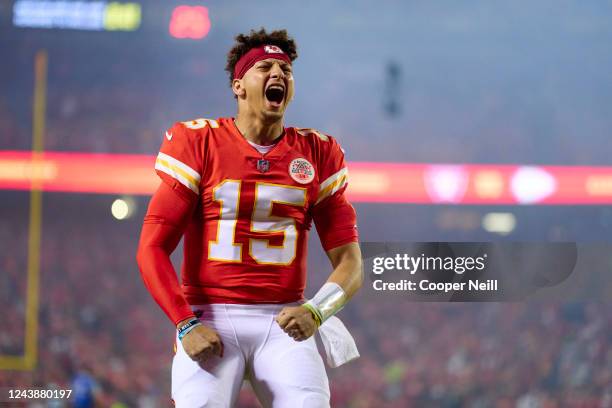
(244, 43)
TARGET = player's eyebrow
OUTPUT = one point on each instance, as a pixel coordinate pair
(268, 63)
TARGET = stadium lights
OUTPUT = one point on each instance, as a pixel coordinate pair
(77, 15)
(122, 16)
(446, 183)
(532, 184)
(189, 22)
(499, 223)
(123, 208)
(489, 184)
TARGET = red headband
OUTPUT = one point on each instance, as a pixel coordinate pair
(257, 54)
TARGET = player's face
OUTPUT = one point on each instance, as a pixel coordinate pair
(268, 87)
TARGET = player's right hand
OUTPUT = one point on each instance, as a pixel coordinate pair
(201, 343)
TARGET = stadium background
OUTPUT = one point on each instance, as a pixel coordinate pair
(420, 83)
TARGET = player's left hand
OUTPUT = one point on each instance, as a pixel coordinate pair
(297, 322)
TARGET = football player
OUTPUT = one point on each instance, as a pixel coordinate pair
(243, 192)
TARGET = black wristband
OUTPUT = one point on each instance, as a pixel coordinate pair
(187, 327)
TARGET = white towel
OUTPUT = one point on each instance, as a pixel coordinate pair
(340, 347)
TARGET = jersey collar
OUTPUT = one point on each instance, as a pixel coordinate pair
(276, 153)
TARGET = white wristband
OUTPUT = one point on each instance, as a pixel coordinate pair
(328, 301)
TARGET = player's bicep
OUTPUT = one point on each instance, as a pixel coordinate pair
(336, 222)
(170, 206)
(167, 217)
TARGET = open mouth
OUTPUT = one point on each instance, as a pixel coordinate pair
(275, 94)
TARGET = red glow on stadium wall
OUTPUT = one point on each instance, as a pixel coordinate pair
(189, 22)
(414, 183)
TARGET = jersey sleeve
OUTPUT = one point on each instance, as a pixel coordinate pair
(180, 160)
(333, 173)
(334, 217)
(164, 224)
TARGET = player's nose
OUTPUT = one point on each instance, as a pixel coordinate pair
(276, 71)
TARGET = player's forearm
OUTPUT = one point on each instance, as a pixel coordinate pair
(160, 279)
(348, 268)
(158, 273)
(342, 284)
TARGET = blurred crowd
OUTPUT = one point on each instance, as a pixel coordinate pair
(131, 118)
(122, 99)
(479, 355)
(100, 332)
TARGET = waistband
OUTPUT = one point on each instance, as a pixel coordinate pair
(237, 308)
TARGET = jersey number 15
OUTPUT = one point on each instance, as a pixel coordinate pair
(225, 249)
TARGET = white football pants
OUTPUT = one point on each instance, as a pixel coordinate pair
(284, 373)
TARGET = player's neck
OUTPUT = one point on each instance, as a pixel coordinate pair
(257, 131)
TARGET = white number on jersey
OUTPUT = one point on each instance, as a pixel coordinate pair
(201, 123)
(227, 193)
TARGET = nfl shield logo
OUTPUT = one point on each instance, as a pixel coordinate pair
(263, 165)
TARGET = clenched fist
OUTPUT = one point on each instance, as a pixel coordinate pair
(297, 322)
(201, 343)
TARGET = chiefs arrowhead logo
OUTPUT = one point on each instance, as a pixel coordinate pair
(272, 49)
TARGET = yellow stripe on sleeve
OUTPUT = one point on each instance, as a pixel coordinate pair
(179, 171)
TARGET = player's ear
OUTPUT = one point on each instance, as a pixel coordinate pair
(237, 88)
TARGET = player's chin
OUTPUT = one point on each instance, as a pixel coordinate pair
(274, 114)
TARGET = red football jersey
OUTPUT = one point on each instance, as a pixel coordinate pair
(246, 241)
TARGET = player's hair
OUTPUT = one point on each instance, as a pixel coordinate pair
(244, 43)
